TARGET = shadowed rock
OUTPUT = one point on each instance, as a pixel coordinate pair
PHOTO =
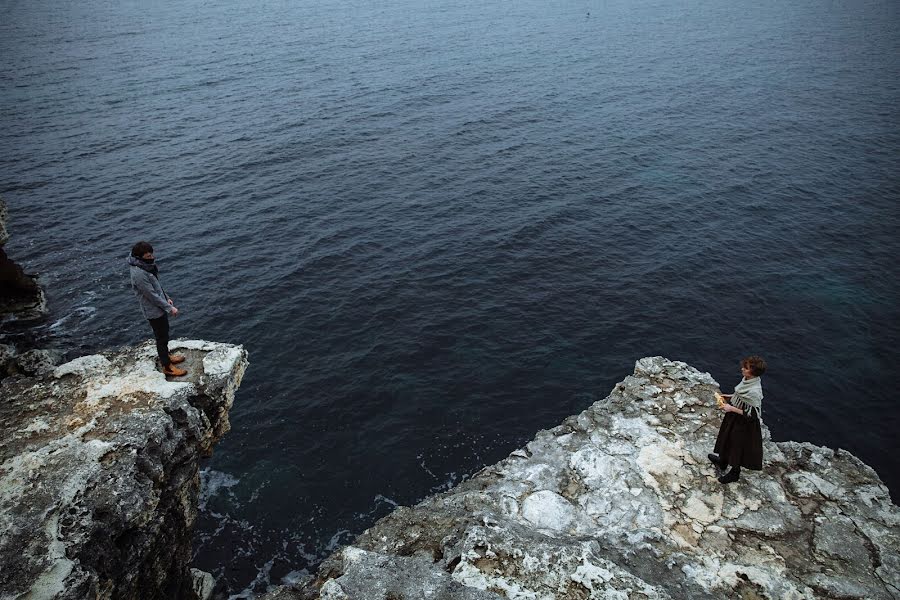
(99, 473)
(20, 295)
(620, 502)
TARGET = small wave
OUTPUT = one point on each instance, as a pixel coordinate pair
(335, 542)
(425, 468)
(212, 482)
(295, 577)
(452, 480)
(263, 580)
(80, 314)
(377, 502)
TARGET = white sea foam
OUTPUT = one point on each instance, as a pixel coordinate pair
(262, 580)
(335, 542)
(212, 482)
(80, 314)
(295, 577)
(386, 500)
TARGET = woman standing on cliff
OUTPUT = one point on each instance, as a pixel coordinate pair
(740, 436)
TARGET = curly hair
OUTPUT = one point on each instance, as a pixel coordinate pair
(756, 364)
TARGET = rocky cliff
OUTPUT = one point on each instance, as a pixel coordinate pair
(620, 502)
(20, 295)
(99, 473)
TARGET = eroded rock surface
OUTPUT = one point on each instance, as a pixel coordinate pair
(620, 502)
(29, 363)
(99, 473)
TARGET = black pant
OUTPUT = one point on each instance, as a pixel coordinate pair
(160, 327)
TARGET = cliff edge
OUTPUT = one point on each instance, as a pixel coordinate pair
(99, 472)
(620, 502)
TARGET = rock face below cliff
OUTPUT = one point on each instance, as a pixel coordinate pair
(620, 502)
(20, 295)
(99, 472)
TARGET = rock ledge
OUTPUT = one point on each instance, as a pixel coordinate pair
(99, 472)
(620, 502)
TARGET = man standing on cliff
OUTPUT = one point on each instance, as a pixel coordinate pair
(155, 303)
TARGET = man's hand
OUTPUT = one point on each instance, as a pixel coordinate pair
(174, 311)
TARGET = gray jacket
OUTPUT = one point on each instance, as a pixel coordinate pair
(153, 300)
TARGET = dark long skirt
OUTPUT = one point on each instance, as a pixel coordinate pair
(740, 441)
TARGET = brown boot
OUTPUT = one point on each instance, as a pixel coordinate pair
(176, 358)
(173, 371)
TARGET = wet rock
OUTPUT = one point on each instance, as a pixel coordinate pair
(8, 356)
(621, 502)
(203, 584)
(20, 294)
(99, 472)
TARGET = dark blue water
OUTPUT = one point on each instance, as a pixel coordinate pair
(440, 227)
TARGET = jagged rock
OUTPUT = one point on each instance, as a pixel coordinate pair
(202, 583)
(31, 362)
(38, 362)
(8, 356)
(376, 575)
(20, 294)
(99, 472)
(620, 502)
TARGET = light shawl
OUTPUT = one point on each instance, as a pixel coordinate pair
(747, 394)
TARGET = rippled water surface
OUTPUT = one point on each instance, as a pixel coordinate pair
(441, 226)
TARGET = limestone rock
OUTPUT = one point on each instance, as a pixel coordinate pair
(372, 575)
(99, 472)
(28, 363)
(38, 362)
(620, 502)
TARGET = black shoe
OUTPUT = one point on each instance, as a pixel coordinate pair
(732, 476)
(719, 463)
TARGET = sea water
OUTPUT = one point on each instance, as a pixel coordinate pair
(439, 227)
